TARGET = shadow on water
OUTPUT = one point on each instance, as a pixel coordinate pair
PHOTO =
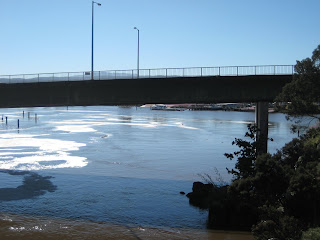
(33, 185)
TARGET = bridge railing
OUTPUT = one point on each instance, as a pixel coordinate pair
(150, 73)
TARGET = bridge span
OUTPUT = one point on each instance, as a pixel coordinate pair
(126, 87)
(243, 84)
(215, 89)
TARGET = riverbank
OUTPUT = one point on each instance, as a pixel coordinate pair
(14, 227)
(239, 107)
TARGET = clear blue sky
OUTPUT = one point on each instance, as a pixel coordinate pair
(55, 36)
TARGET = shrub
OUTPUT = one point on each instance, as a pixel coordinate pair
(311, 234)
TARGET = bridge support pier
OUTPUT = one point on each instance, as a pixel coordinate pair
(261, 121)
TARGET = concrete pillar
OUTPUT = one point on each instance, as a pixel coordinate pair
(262, 127)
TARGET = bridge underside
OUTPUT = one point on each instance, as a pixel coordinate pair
(141, 91)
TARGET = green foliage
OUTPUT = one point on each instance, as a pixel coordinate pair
(276, 225)
(304, 91)
(284, 188)
(311, 234)
(246, 155)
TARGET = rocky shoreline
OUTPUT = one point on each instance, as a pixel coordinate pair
(225, 211)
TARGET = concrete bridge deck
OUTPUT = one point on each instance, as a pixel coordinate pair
(211, 89)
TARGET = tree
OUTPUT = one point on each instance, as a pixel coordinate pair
(311, 234)
(283, 188)
(303, 92)
(246, 155)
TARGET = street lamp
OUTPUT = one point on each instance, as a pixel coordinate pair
(138, 52)
(99, 4)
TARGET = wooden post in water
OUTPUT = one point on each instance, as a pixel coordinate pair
(18, 124)
(35, 118)
(262, 127)
(6, 120)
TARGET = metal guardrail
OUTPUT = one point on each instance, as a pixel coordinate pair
(150, 73)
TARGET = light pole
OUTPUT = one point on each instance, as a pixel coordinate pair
(99, 4)
(138, 53)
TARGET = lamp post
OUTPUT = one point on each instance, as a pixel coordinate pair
(138, 53)
(99, 4)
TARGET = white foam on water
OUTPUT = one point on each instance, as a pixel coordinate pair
(75, 128)
(88, 124)
(38, 153)
(181, 125)
(44, 144)
(96, 117)
(17, 229)
(82, 111)
(6, 157)
(78, 125)
(6, 218)
(10, 149)
(13, 153)
(93, 140)
(41, 162)
(114, 119)
(148, 124)
(15, 135)
(230, 121)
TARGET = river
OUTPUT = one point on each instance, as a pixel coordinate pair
(113, 172)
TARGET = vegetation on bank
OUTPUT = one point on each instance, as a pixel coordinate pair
(303, 92)
(311, 234)
(283, 188)
(276, 196)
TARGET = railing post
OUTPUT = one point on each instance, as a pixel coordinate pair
(99, 75)
(115, 74)
(132, 74)
(23, 78)
(201, 72)
(237, 71)
(149, 73)
(219, 72)
(38, 77)
(68, 77)
(83, 76)
(166, 72)
(274, 70)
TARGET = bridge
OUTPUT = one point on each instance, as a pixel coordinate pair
(165, 85)
(260, 84)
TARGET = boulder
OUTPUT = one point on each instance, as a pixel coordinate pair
(201, 195)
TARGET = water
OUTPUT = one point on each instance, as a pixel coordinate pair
(115, 172)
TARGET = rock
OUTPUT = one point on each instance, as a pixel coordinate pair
(201, 188)
(182, 193)
(225, 211)
(200, 195)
